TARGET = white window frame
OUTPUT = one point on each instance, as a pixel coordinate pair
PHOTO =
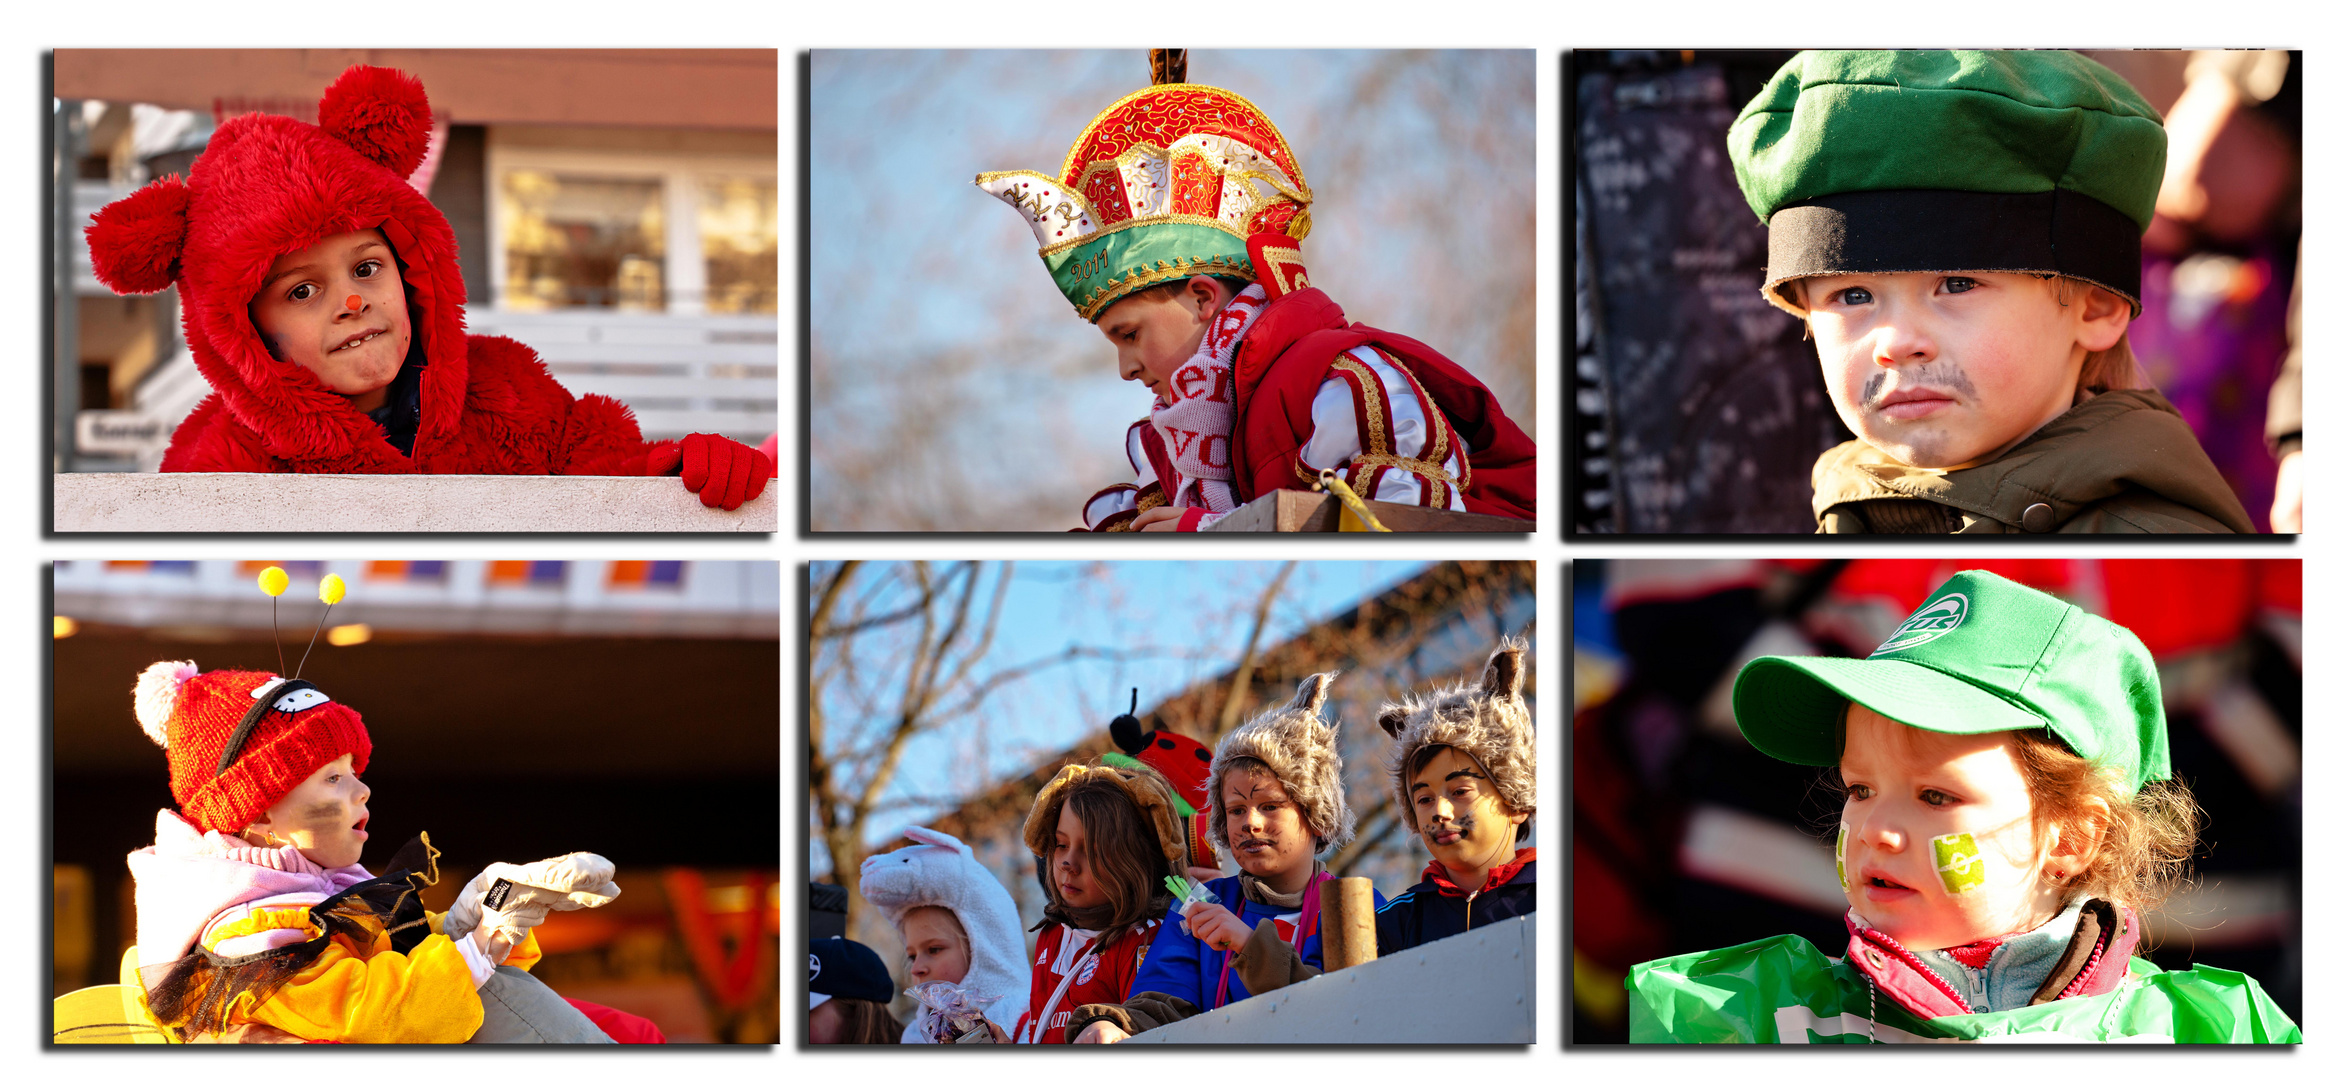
(684, 269)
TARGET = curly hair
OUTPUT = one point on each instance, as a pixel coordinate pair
(2145, 839)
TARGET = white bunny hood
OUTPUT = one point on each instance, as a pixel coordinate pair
(939, 871)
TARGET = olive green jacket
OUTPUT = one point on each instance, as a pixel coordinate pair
(2123, 461)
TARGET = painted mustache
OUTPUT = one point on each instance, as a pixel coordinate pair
(1463, 825)
(1941, 375)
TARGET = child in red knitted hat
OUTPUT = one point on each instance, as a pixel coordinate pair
(256, 922)
(322, 300)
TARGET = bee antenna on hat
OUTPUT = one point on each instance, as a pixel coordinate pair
(330, 590)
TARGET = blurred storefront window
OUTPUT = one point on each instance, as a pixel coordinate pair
(581, 241)
(741, 245)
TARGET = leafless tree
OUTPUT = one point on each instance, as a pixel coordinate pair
(897, 650)
(938, 629)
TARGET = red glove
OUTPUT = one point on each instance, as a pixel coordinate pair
(726, 473)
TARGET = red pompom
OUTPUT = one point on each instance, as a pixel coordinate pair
(382, 114)
(135, 242)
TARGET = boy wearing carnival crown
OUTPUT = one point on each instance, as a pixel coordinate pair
(1175, 227)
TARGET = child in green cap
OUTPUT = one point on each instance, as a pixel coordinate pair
(2009, 816)
(1962, 233)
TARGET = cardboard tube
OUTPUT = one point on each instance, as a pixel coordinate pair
(1348, 923)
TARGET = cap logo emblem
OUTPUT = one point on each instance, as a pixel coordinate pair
(1941, 617)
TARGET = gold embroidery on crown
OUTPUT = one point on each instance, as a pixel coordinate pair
(1190, 89)
(1137, 279)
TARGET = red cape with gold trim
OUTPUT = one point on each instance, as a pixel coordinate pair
(1289, 352)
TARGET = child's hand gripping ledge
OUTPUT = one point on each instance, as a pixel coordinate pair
(725, 473)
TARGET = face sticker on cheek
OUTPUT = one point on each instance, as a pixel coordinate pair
(1961, 867)
(1841, 856)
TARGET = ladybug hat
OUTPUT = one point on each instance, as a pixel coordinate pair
(239, 740)
(1183, 762)
(269, 185)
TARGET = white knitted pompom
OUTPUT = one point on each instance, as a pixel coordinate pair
(158, 691)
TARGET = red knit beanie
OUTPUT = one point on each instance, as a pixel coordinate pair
(192, 716)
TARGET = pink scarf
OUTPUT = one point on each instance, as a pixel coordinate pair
(189, 876)
(1196, 424)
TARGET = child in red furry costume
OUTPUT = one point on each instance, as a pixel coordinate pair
(322, 300)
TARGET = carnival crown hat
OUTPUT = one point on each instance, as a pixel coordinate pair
(1982, 655)
(1890, 161)
(1488, 721)
(1300, 749)
(1165, 184)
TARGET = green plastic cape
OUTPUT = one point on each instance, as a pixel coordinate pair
(1782, 990)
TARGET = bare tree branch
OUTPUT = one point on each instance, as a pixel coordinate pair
(1245, 676)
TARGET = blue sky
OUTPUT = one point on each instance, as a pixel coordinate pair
(1197, 613)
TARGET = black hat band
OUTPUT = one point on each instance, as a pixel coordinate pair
(252, 720)
(1889, 232)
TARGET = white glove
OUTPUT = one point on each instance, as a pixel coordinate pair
(508, 928)
(568, 883)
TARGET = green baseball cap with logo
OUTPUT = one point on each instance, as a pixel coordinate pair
(1983, 654)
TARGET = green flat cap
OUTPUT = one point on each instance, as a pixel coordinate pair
(1919, 161)
(1983, 654)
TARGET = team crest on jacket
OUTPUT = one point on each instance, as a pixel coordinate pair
(1932, 622)
(1085, 971)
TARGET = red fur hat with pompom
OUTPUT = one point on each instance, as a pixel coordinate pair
(267, 186)
(194, 716)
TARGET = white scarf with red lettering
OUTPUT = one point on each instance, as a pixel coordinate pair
(1196, 424)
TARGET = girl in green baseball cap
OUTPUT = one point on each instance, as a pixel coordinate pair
(2008, 816)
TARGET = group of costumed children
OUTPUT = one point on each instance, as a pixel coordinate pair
(1118, 951)
(1175, 226)
(321, 299)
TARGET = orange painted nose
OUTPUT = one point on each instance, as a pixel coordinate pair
(353, 302)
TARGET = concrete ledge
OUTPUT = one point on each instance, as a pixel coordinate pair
(272, 503)
(1475, 987)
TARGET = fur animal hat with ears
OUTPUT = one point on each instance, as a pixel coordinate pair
(267, 186)
(1301, 751)
(1488, 722)
(938, 870)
